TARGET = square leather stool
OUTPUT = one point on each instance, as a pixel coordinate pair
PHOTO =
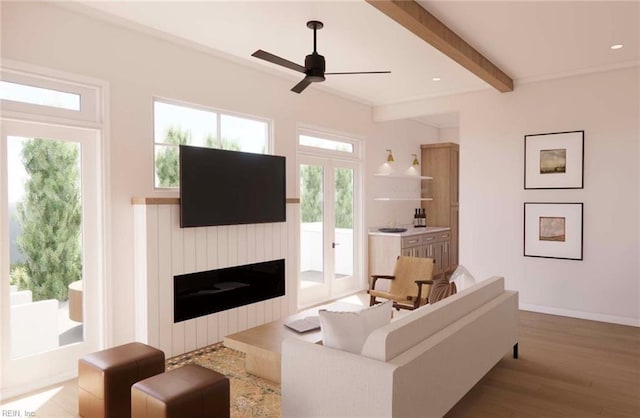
(190, 391)
(105, 378)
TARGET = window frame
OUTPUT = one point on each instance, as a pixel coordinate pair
(353, 140)
(219, 113)
(90, 108)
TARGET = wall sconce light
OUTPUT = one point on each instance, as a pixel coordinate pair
(390, 156)
(415, 160)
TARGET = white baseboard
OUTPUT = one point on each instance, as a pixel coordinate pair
(634, 322)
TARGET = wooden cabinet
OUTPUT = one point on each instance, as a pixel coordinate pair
(385, 248)
(437, 246)
(440, 161)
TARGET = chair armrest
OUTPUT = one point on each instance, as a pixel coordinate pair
(375, 277)
(419, 283)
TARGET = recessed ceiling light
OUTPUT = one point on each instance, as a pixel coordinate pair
(616, 46)
(435, 79)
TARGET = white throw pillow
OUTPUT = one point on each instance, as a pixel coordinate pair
(349, 330)
(462, 278)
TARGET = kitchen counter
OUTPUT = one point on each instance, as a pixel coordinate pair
(410, 231)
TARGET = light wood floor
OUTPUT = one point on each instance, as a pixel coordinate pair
(567, 368)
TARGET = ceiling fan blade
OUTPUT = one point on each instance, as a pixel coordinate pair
(301, 85)
(277, 60)
(360, 72)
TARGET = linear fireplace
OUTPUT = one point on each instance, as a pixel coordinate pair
(206, 292)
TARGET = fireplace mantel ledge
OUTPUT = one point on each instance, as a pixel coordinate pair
(176, 200)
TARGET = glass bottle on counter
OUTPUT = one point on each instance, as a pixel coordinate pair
(419, 218)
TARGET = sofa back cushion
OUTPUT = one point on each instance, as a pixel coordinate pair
(348, 330)
(387, 342)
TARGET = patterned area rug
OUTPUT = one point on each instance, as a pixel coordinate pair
(251, 396)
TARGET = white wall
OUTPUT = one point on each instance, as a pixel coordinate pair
(403, 138)
(139, 67)
(605, 285)
(450, 134)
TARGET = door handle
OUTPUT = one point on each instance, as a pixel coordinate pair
(334, 244)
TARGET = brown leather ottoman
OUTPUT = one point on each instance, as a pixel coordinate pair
(189, 391)
(105, 378)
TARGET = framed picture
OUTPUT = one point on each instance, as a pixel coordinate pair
(554, 161)
(553, 230)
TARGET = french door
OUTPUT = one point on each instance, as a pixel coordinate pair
(50, 219)
(329, 229)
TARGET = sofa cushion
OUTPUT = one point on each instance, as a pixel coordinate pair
(396, 337)
(348, 330)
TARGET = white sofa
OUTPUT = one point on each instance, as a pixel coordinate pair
(419, 365)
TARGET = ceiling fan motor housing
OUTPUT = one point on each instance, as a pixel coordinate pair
(315, 66)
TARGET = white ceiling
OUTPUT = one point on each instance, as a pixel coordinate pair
(528, 40)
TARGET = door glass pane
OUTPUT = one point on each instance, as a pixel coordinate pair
(343, 208)
(311, 227)
(45, 241)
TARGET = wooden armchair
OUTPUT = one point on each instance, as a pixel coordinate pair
(410, 283)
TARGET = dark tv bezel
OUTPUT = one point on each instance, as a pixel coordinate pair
(281, 217)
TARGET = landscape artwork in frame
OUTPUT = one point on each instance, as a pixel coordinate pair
(554, 160)
(553, 230)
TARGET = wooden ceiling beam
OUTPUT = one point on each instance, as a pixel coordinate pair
(416, 19)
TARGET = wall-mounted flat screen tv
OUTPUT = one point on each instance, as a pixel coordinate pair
(219, 187)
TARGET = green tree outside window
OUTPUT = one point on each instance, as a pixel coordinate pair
(50, 219)
(311, 177)
(167, 160)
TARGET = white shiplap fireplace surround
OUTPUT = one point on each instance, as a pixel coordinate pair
(163, 250)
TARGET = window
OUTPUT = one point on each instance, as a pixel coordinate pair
(48, 96)
(323, 143)
(39, 96)
(314, 141)
(179, 124)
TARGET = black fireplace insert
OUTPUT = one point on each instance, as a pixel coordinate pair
(206, 292)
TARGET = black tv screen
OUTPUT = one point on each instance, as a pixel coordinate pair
(219, 187)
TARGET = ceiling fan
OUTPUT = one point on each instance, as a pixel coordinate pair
(314, 64)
